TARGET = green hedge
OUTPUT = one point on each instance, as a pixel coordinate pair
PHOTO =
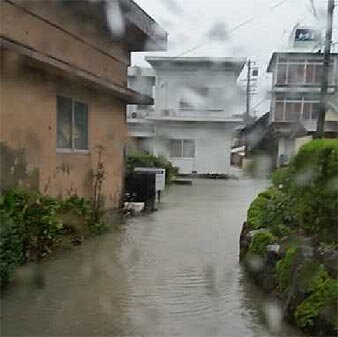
(303, 195)
(284, 268)
(323, 294)
(311, 181)
(143, 159)
(303, 199)
(260, 241)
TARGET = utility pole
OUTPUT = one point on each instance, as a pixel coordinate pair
(248, 91)
(325, 71)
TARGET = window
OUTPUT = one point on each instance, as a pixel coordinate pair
(307, 110)
(310, 73)
(182, 148)
(293, 111)
(281, 73)
(318, 74)
(279, 111)
(301, 71)
(72, 124)
(315, 110)
(188, 149)
(296, 73)
(295, 108)
(176, 148)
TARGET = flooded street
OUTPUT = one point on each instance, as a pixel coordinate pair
(174, 272)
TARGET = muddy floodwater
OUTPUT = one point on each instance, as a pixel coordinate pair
(172, 273)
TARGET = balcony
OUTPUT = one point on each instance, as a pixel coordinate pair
(193, 115)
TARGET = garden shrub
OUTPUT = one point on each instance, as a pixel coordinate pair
(257, 211)
(323, 292)
(143, 159)
(281, 231)
(315, 188)
(270, 209)
(36, 214)
(31, 226)
(11, 246)
(84, 208)
(282, 178)
(284, 268)
(305, 194)
(259, 242)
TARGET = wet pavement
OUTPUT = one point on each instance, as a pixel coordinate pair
(174, 272)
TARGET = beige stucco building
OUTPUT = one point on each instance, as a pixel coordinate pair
(64, 92)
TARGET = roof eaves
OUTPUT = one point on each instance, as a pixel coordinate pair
(134, 14)
(125, 94)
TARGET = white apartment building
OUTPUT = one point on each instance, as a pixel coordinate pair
(197, 106)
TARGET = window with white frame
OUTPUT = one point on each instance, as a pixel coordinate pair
(72, 124)
(295, 108)
(292, 70)
(182, 148)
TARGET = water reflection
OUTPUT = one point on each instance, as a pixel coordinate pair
(174, 272)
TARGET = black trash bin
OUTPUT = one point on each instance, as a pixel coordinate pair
(140, 186)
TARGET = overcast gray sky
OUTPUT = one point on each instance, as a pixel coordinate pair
(207, 22)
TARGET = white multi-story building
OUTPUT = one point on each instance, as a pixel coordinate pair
(295, 98)
(296, 81)
(197, 106)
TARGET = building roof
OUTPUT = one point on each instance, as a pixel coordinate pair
(262, 121)
(294, 53)
(142, 32)
(231, 63)
(156, 36)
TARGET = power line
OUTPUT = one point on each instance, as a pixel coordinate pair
(271, 8)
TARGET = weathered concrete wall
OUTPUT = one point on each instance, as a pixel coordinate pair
(53, 30)
(28, 133)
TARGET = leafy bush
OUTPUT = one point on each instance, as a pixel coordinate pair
(143, 159)
(270, 209)
(260, 241)
(282, 178)
(281, 231)
(36, 215)
(84, 208)
(30, 226)
(317, 198)
(308, 191)
(284, 268)
(257, 211)
(323, 292)
(80, 206)
(11, 246)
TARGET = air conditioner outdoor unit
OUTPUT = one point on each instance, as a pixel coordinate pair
(138, 114)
